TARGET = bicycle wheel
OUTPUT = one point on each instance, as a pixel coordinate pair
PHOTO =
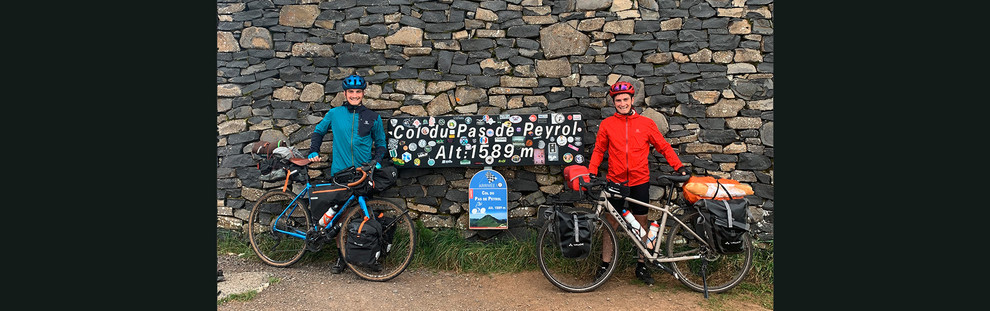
(722, 272)
(275, 247)
(395, 258)
(575, 275)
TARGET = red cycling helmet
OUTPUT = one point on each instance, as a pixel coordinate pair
(620, 88)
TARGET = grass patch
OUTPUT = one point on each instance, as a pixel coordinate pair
(239, 297)
(448, 250)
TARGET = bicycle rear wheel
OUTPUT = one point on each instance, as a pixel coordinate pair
(396, 257)
(575, 275)
(277, 248)
(722, 272)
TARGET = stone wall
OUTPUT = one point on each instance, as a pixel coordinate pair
(703, 70)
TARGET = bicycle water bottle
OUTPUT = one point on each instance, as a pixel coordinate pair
(327, 216)
(637, 228)
(652, 236)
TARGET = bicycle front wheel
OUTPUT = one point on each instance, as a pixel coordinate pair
(271, 217)
(575, 275)
(395, 257)
(722, 272)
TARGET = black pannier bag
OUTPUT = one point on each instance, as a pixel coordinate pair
(363, 243)
(323, 197)
(574, 230)
(723, 223)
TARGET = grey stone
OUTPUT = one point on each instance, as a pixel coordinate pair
(561, 40)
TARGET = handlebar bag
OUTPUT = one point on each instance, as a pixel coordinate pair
(575, 173)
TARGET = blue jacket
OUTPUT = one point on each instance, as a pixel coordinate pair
(358, 136)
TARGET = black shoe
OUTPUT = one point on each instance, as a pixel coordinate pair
(220, 275)
(601, 270)
(643, 274)
(337, 267)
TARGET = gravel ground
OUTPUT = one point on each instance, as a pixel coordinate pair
(311, 286)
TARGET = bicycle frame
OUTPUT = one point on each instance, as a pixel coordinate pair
(653, 255)
(302, 235)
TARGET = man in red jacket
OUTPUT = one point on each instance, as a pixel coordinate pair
(627, 137)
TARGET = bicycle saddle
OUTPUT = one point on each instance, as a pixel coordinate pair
(300, 161)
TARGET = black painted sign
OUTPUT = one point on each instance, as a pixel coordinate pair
(486, 140)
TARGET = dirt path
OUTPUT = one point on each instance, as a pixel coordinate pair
(310, 286)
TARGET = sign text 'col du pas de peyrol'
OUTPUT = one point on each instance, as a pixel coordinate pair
(486, 140)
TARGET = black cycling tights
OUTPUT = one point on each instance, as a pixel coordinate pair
(639, 192)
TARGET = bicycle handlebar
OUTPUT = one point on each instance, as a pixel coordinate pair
(663, 179)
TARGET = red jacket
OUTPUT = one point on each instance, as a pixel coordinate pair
(627, 140)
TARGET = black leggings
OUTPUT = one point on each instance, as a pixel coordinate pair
(639, 192)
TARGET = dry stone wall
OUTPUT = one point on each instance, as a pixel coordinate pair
(703, 70)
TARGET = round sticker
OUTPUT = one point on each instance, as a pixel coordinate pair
(516, 158)
(484, 140)
(529, 143)
(431, 143)
(451, 124)
(489, 160)
(561, 140)
(541, 145)
(424, 131)
(431, 162)
(570, 139)
(507, 124)
(515, 119)
(532, 118)
(467, 120)
(412, 147)
(490, 132)
(416, 161)
(579, 159)
(422, 143)
(567, 157)
(558, 118)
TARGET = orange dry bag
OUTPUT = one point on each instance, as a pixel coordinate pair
(706, 187)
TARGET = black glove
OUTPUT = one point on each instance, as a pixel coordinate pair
(683, 171)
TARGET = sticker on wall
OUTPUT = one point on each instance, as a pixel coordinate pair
(538, 156)
(567, 158)
(579, 159)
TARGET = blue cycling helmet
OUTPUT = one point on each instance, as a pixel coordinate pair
(354, 82)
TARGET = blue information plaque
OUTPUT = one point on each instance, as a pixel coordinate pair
(488, 196)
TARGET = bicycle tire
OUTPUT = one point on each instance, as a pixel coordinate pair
(575, 275)
(399, 255)
(723, 272)
(272, 247)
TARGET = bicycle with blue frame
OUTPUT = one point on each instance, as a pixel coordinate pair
(281, 228)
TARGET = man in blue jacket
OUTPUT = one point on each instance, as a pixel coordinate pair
(358, 136)
(358, 132)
